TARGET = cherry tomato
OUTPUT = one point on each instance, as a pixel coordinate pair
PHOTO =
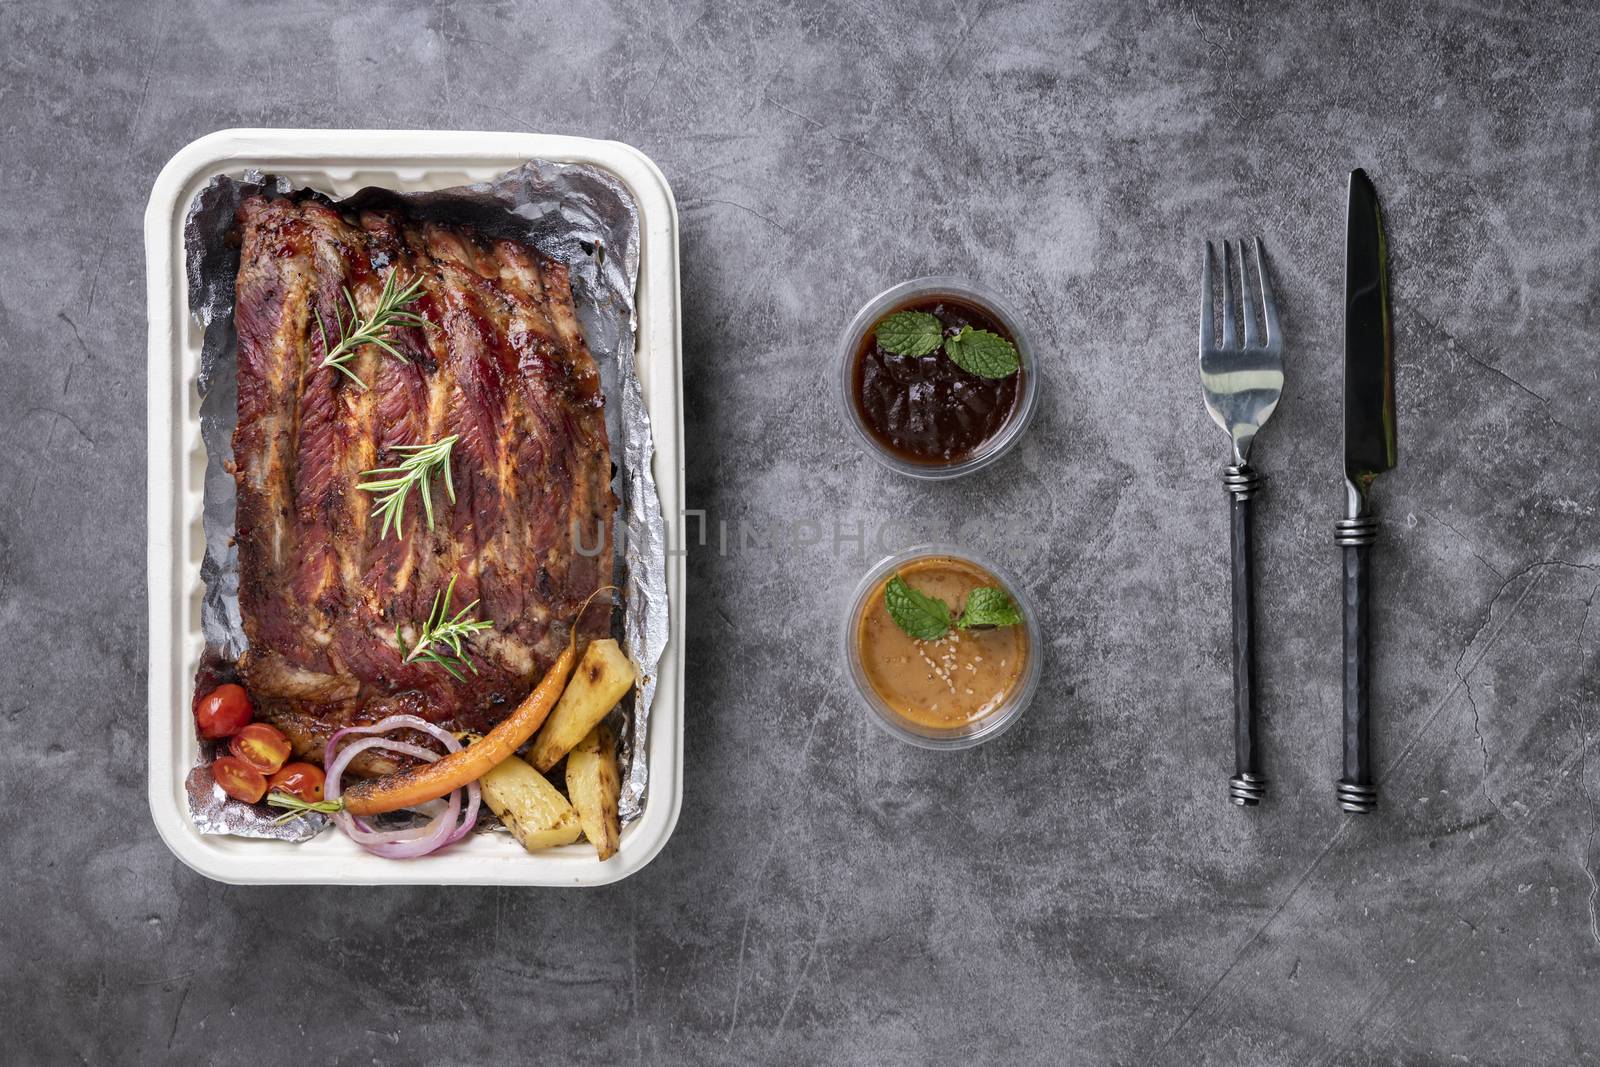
(303, 780)
(223, 712)
(261, 745)
(238, 779)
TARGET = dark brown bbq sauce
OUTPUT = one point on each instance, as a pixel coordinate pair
(925, 409)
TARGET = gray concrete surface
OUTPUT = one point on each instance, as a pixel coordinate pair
(1077, 892)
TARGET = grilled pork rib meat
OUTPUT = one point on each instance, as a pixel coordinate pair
(504, 366)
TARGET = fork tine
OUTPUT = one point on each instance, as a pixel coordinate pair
(1230, 322)
(1269, 307)
(1252, 335)
(1208, 336)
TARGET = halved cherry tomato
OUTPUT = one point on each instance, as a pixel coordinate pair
(223, 712)
(238, 779)
(261, 745)
(303, 780)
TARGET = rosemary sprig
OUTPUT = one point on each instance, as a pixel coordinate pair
(298, 807)
(422, 462)
(439, 638)
(372, 330)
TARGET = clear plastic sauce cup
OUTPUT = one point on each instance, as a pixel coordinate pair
(943, 663)
(992, 447)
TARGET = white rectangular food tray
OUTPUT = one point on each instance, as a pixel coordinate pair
(339, 162)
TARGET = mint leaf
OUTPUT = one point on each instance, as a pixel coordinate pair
(988, 355)
(909, 333)
(921, 616)
(988, 606)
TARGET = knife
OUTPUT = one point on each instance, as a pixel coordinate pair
(1369, 450)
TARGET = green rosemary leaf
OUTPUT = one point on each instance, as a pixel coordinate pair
(421, 463)
(441, 642)
(373, 330)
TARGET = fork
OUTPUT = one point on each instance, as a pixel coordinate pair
(1242, 380)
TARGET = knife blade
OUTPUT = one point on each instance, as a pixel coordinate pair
(1369, 450)
(1369, 418)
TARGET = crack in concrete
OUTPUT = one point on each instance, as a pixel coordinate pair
(1475, 553)
(805, 972)
(1492, 369)
(742, 207)
(183, 998)
(1464, 678)
(1477, 732)
(88, 356)
(1594, 893)
(64, 417)
(858, 145)
(1254, 937)
(755, 884)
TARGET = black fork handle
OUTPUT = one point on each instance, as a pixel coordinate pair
(1248, 785)
(1357, 792)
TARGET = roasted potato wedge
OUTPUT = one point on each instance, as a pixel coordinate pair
(594, 783)
(533, 810)
(603, 676)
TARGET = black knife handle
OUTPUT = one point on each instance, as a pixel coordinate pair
(1357, 791)
(1248, 785)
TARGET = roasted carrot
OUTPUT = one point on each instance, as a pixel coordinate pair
(430, 781)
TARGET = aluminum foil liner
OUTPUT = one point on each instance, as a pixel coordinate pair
(578, 214)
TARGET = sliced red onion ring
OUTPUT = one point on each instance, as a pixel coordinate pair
(405, 844)
(393, 722)
(342, 761)
(474, 795)
(440, 830)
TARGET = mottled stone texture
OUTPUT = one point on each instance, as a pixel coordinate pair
(1078, 891)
